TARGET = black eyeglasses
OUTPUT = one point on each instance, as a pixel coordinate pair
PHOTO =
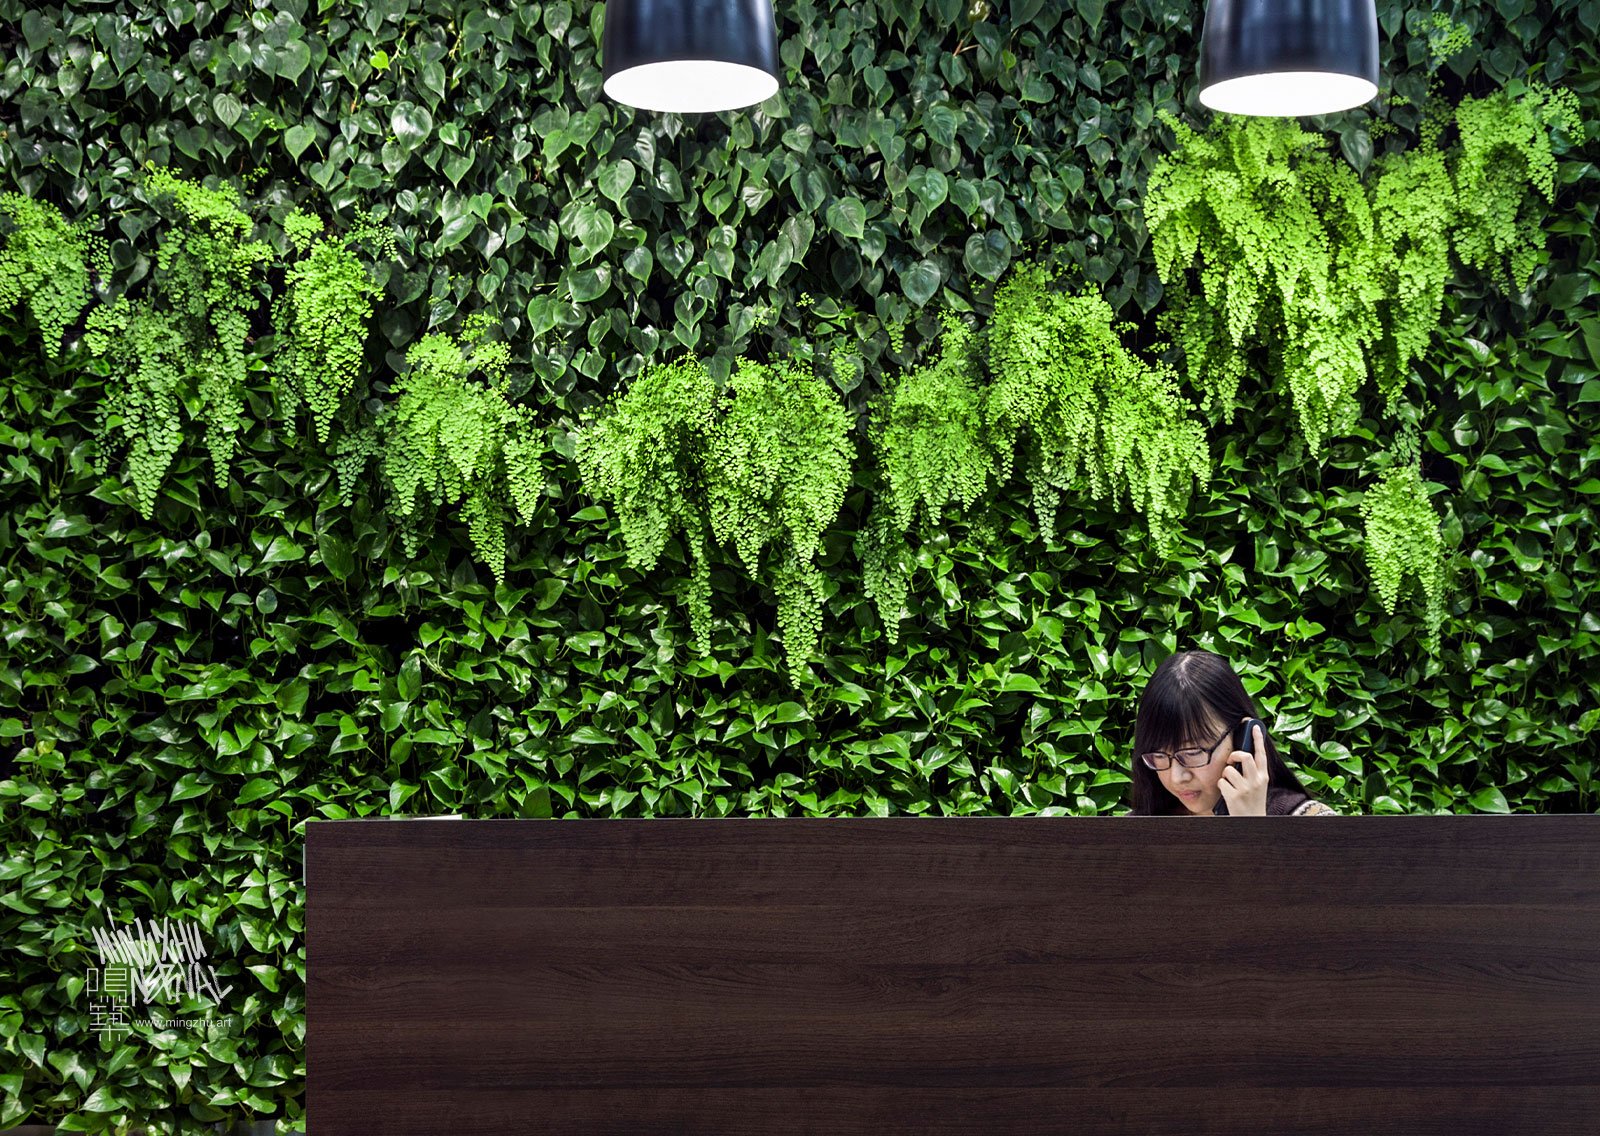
(1188, 758)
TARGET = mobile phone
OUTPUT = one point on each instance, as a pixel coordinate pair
(1244, 737)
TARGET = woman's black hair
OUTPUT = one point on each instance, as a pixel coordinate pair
(1173, 713)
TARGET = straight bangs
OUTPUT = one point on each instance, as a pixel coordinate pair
(1187, 691)
(1169, 718)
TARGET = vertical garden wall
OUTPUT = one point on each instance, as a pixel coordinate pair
(395, 425)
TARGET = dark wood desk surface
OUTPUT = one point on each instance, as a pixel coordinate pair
(995, 975)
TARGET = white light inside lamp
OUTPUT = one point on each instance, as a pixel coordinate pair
(1288, 58)
(1288, 94)
(689, 56)
(691, 86)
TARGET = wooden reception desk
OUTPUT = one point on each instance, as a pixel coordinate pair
(995, 975)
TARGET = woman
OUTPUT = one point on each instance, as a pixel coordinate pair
(1183, 745)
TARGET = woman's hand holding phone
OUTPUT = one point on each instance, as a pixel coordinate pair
(1244, 782)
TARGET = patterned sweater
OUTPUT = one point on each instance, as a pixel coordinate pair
(1283, 801)
(1313, 808)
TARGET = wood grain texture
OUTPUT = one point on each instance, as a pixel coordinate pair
(986, 975)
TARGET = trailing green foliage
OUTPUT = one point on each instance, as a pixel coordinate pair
(322, 317)
(643, 452)
(454, 440)
(1297, 255)
(1505, 147)
(1092, 417)
(777, 463)
(44, 264)
(183, 346)
(1095, 418)
(929, 434)
(1372, 287)
(761, 466)
(932, 448)
(1402, 536)
(1336, 278)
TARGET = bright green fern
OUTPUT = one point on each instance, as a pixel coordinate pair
(1095, 418)
(777, 466)
(1403, 537)
(45, 264)
(448, 441)
(1505, 148)
(932, 449)
(762, 465)
(644, 452)
(184, 345)
(322, 319)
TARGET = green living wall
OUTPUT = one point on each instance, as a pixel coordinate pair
(302, 517)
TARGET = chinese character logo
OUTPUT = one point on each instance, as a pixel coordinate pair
(139, 965)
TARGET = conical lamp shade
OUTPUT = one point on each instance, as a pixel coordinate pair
(1287, 58)
(689, 55)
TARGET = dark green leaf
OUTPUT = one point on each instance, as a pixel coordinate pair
(411, 125)
(847, 216)
(920, 281)
(298, 137)
(590, 283)
(456, 230)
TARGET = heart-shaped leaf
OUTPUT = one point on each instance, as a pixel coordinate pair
(920, 281)
(1356, 145)
(616, 179)
(590, 283)
(847, 216)
(930, 186)
(411, 125)
(430, 76)
(987, 254)
(456, 167)
(593, 228)
(293, 58)
(638, 263)
(190, 141)
(227, 108)
(394, 157)
(125, 52)
(35, 30)
(456, 230)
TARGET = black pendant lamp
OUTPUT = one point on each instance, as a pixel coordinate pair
(689, 55)
(1287, 58)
